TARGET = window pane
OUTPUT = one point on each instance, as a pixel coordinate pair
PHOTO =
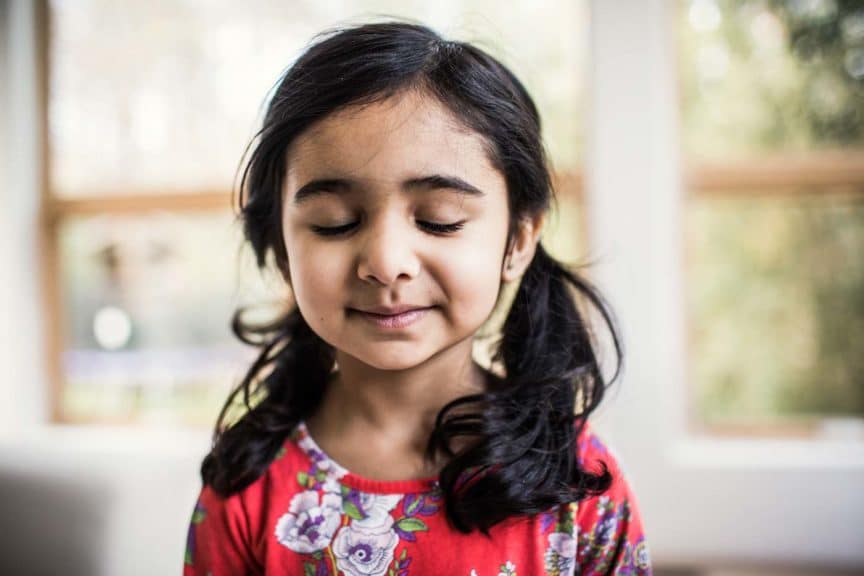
(776, 300)
(148, 302)
(771, 76)
(161, 96)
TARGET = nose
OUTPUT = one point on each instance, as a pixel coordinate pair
(387, 252)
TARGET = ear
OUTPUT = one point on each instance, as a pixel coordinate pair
(522, 247)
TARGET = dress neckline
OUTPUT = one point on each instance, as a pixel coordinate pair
(322, 461)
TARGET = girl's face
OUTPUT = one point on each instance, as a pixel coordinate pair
(394, 205)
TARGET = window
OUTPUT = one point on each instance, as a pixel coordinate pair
(150, 106)
(773, 135)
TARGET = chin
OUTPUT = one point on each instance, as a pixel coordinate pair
(400, 358)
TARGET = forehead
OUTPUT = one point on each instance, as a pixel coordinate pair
(404, 136)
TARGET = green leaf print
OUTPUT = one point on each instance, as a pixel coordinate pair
(568, 513)
(411, 525)
(303, 479)
(198, 515)
(351, 510)
(308, 569)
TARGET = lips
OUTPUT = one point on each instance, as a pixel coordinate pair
(396, 321)
(391, 310)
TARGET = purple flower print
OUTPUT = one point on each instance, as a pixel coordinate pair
(320, 461)
(597, 445)
(310, 523)
(606, 528)
(641, 557)
(547, 519)
(422, 504)
(607, 522)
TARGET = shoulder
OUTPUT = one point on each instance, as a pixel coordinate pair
(611, 536)
(281, 479)
(228, 534)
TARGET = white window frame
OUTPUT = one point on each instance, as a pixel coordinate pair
(21, 171)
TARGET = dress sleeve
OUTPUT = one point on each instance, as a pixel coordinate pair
(611, 539)
(217, 543)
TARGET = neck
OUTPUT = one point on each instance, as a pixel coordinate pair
(397, 407)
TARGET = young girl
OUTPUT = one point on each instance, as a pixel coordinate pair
(400, 184)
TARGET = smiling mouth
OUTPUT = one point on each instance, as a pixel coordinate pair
(391, 311)
(394, 321)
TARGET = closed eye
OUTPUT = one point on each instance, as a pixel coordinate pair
(332, 230)
(442, 228)
(434, 227)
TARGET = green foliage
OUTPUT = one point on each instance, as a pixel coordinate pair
(766, 76)
(777, 294)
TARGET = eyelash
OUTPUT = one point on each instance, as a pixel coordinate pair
(431, 226)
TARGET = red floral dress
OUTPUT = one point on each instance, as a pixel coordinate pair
(309, 516)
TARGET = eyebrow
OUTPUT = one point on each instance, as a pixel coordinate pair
(340, 186)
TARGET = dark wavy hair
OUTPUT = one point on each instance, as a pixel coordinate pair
(523, 457)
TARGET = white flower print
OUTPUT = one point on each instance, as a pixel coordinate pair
(307, 444)
(365, 547)
(641, 556)
(563, 544)
(378, 505)
(561, 554)
(309, 524)
(321, 461)
(331, 486)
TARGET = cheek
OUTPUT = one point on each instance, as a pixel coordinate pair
(314, 274)
(473, 276)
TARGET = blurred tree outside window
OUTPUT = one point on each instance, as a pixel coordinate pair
(773, 135)
(149, 108)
